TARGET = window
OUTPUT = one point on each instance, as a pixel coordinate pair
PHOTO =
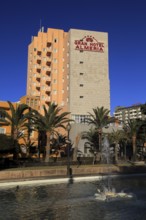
(32, 133)
(55, 60)
(81, 62)
(35, 102)
(31, 102)
(2, 115)
(85, 149)
(55, 40)
(81, 85)
(81, 97)
(27, 101)
(35, 49)
(80, 118)
(55, 80)
(81, 74)
(2, 130)
(62, 103)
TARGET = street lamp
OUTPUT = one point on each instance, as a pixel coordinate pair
(68, 127)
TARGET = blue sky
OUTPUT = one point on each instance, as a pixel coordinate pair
(125, 22)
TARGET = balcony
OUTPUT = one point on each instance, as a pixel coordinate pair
(38, 77)
(48, 93)
(48, 53)
(48, 62)
(48, 90)
(47, 102)
(38, 69)
(38, 60)
(48, 81)
(49, 44)
(48, 72)
(38, 86)
(39, 52)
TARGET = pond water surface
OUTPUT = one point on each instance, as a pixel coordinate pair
(73, 201)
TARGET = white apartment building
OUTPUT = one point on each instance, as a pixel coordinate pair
(126, 113)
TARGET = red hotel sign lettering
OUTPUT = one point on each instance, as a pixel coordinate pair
(89, 43)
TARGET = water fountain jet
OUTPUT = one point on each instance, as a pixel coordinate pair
(109, 193)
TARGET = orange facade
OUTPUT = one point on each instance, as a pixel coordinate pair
(46, 75)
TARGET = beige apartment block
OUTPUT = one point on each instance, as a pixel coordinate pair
(88, 72)
(69, 69)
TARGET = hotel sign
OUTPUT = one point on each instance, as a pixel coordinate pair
(89, 43)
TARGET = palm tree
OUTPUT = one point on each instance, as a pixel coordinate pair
(143, 109)
(75, 150)
(28, 127)
(49, 122)
(92, 142)
(115, 137)
(132, 129)
(16, 118)
(99, 119)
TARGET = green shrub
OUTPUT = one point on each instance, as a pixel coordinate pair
(6, 144)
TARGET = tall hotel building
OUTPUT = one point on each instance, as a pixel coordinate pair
(69, 69)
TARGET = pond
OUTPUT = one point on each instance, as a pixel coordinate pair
(73, 201)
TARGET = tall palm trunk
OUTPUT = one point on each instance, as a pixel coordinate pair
(39, 144)
(16, 147)
(134, 147)
(48, 147)
(116, 152)
(100, 138)
(76, 147)
(125, 152)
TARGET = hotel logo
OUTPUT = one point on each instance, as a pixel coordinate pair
(89, 43)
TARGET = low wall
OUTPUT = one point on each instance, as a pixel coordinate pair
(62, 172)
